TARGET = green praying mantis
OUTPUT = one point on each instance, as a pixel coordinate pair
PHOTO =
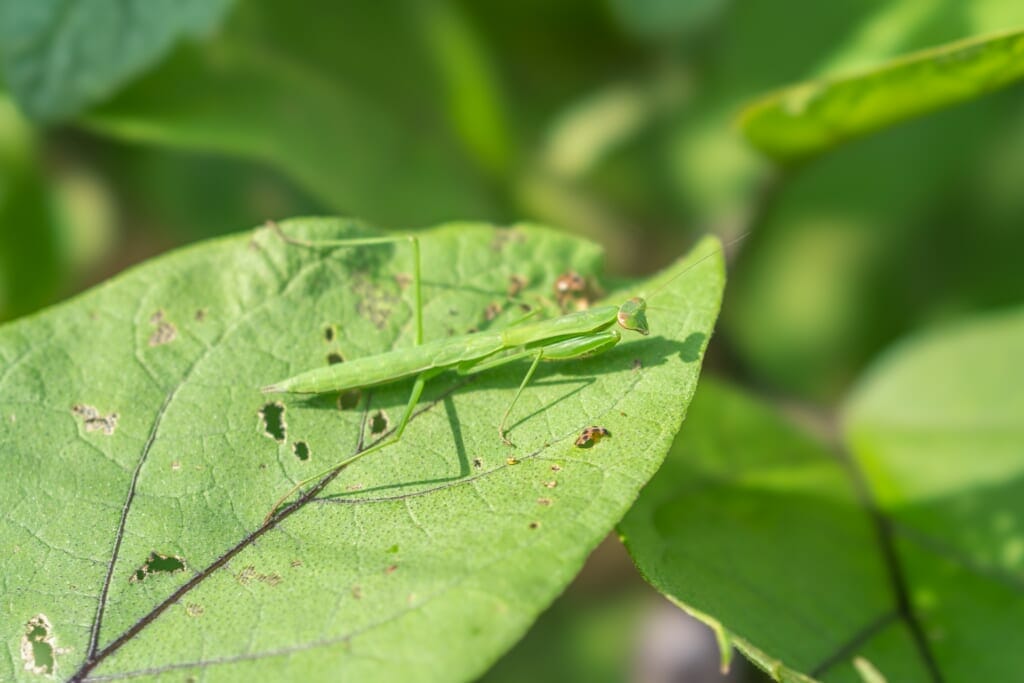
(567, 337)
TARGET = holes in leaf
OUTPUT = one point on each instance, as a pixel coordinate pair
(329, 333)
(158, 563)
(272, 417)
(347, 400)
(333, 358)
(301, 450)
(38, 646)
(93, 421)
(378, 423)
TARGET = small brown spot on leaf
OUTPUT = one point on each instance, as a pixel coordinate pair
(544, 501)
(296, 563)
(194, 609)
(403, 280)
(355, 487)
(511, 461)
(333, 358)
(249, 574)
(534, 525)
(200, 315)
(93, 421)
(158, 563)
(492, 311)
(590, 436)
(478, 463)
(556, 468)
(175, 465)
(272, 418)
(550, 484)
(165, 331)
(637, 364)
(391, 569)
(329, 333)
(357, 592)
(516, 284)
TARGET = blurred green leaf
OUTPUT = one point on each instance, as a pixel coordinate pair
(936, 426)
(814, 116)
(31, 258)
(139, 401)
(61, 56)
(666, 18)
(757, 529)
(861, 246)
(357, 154)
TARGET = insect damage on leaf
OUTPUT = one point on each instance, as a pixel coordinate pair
(272, 419)
(158, 563)
(93, 421)
(590, 436)
(301, 450)
(347, 400)
(333, 358)
(379, 423)
(39, 646)
(165, 331)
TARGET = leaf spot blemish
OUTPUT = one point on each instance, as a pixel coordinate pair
(158, 563)
(93, 421)
(175, 466)
(272, 418)
(478, 463)
(301, 450)
(165, 331)
(403, 280)
(391, 569)
(556, 468)
(550, 484)
(516, 284)
(354, 487)
(329, 333)
(378, 423)
(492, 311)
(534, 525)
(511, 461)
(375, 304)
(194, 609)
(333, 358)
(357, 592)
(296, 563)
(637, 365)
(347, 400)
(39, 646)
(200, 315)
(249, 574)
(590, 436)
(544, 501)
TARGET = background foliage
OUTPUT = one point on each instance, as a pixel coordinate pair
(882, 263)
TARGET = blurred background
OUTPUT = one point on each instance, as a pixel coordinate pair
(611, 119)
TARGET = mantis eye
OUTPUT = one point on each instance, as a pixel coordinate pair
(633, 315)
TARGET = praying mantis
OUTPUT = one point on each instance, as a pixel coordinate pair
(567, 337)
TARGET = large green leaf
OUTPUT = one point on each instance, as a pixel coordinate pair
(283, 87)
(937, 428)
(137, 441)
(754, 527)
(60, 56)
(813, 116)
(759, 530)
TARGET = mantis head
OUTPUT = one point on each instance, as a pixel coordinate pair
(632, 315)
